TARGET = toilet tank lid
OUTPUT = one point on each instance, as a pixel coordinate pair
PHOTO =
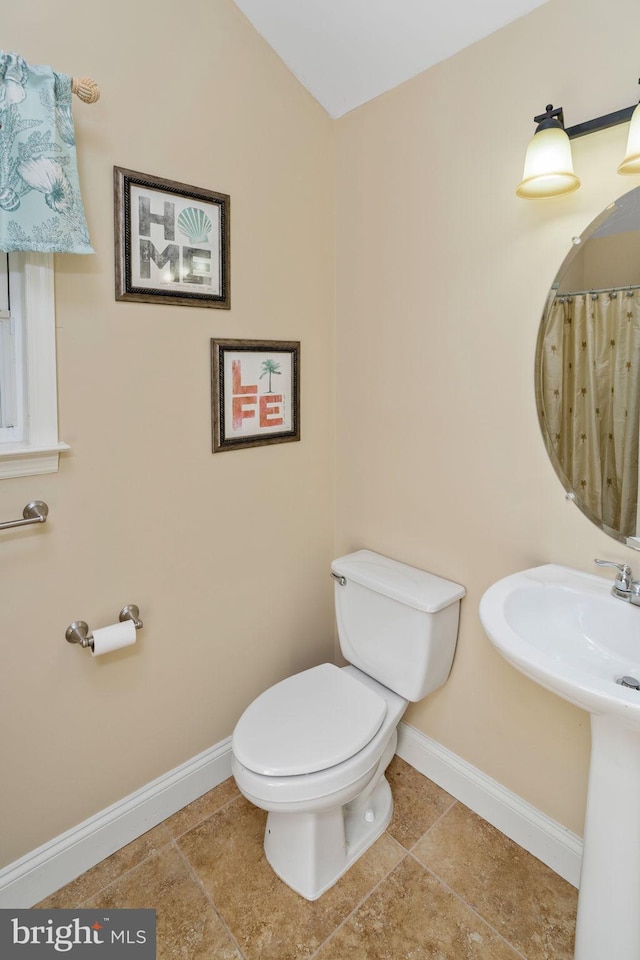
(415, 588)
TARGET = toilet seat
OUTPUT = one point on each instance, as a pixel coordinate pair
(307, 723)
(320, 790)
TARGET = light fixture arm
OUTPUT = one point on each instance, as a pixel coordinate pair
(545, 120)
(555, 117)
(600, 123)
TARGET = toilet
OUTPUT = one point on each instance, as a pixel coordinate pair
(312, 750)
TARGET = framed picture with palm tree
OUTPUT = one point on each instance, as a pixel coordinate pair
(255, 392)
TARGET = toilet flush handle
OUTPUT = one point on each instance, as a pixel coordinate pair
(341, 580)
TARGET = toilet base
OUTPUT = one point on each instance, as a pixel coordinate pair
(311, 851)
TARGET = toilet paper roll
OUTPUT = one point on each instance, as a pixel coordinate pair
(118, 635)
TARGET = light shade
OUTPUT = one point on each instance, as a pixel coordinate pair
(631, 162)
(548, 165)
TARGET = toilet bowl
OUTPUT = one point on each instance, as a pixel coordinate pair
(321, 820)
(312, 750)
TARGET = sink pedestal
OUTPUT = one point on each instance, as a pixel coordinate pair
(609, 900)
(564, 630)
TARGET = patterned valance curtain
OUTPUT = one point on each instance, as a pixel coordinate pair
(40, 204)
(592, 400)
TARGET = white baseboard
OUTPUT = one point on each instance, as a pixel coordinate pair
(528, 827)
(43, 871)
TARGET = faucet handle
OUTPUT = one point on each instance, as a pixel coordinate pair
(623, 580)
(624, 568)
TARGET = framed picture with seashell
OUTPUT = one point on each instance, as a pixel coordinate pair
(171, 241)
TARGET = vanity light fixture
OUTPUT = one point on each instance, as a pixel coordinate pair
(631, 162)
(548, 165)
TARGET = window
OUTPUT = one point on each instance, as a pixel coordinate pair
(11, 380)
(28, 397)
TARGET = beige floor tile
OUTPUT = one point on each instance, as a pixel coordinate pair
(205, 873)
(188, 928)
(105, 872)
(531, 906)
(417, 802)
(269, 920)
(194, 813)
(412, 915)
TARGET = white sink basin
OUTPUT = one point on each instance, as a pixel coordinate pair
(563, 629)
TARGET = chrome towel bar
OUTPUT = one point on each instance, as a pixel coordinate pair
(36, 511)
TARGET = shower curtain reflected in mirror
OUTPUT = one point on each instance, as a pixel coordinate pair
(590, 383)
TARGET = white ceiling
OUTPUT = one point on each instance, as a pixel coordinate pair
(346, 52)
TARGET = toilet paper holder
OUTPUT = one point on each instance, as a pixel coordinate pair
(78, 631)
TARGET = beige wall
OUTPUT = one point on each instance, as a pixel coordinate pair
(227, 554)
(442, 274)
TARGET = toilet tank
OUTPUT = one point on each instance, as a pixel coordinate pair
(397, 624)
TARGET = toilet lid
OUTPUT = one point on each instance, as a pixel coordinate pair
(309, 722)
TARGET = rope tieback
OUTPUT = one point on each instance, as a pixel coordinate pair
(85, 88)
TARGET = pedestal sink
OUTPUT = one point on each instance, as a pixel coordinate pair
(564, 630)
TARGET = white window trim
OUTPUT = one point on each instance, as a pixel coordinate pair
(39, 453)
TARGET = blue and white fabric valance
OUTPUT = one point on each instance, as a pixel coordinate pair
(40, 204)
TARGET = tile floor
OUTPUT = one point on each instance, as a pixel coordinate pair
(440, 884)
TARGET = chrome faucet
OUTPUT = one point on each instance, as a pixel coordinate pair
(624, 587)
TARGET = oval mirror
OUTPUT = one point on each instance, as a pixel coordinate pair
(588, 370)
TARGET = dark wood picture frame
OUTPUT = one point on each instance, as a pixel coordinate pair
(163, 225)
(244, 411)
